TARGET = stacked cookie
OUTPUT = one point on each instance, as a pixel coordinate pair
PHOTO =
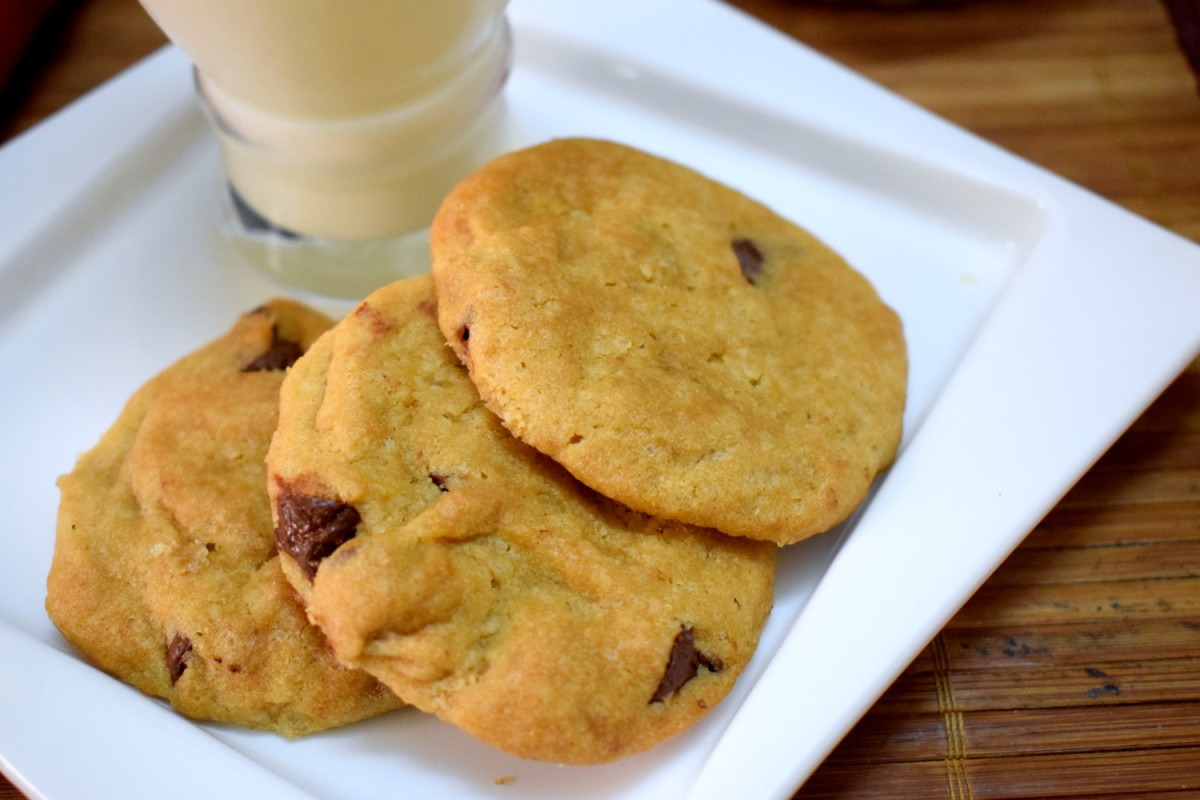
(476, 577)
(540, 492)
(165, 572)
(674, 344)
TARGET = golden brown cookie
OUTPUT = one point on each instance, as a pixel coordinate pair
(674, 344)
(165, 572)
(474, 576)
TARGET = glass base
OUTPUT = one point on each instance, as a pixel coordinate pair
(326, 267)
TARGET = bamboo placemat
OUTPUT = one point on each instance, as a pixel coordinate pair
(1075, 671)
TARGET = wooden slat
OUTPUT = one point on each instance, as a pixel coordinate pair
(1099, 564)
(998, 649)
(1104, 525)
(1154, 450)
(1081, 602)
(1080, 687)
(883, 739)
(975, 733)
(1112, 773)
(1158, 774)
(1118, 487)
(921, 779)
(1073, 730)
(1100, 682)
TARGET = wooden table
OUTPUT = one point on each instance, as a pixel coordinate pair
(1075, 671)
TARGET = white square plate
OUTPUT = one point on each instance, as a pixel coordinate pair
(1040, 319)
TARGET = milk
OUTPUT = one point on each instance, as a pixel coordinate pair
(347, 121)
(328, 59)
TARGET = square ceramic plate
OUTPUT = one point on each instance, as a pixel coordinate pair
(1040, 319)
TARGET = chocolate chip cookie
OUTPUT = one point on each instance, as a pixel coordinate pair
(165, 572)
(476, 577)
(674, 344)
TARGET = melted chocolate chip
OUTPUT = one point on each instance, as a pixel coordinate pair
(750, 259)
(280, 355)
(178, 650)
(311, 528)
(683, 664)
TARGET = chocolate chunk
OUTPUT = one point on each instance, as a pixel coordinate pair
(280, 355)
(683, 664)
(750, 259)
(177, 652)
(311, 528)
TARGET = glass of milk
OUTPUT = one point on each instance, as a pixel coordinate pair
(343, 123)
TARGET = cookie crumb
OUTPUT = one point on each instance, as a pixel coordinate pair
(505, 780)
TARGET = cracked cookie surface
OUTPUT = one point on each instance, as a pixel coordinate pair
(165, 572)
(674, 344)
(477, 578)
